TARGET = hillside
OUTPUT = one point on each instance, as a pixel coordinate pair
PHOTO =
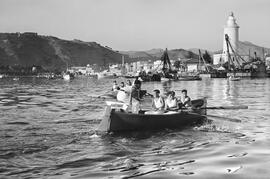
(196, 51)
(138, 55)
(244, 48)
(155, 54)
(27, 49)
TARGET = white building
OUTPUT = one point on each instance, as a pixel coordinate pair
(115, 69)
(157, 65)
(267, 62)
(83, 70)
(232, 30)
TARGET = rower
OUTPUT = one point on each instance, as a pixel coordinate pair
(129, 83)
(128, 87)
(122, 94)
(171, 103)
(115, 86)
(158, 103)
(185, 99)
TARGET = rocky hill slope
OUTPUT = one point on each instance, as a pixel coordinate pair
(27, 49)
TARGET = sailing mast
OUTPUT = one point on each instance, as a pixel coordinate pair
(166, 63)
(201, 57)
(199, 60)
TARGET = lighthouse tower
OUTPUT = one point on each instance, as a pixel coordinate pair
(232, 30)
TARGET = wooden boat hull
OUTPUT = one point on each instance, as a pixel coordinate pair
(117, 121)
(190, 78)
(235, 79)
(130, 122)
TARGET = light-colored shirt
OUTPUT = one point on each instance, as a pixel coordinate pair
(114, 88)
(186, 101)
(171, 103)
(123, 95)
(158, 103)
(128, 89)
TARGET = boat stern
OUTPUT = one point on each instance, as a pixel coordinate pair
(104, 125)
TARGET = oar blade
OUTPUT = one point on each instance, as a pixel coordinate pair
(213, 117)
(227, 107)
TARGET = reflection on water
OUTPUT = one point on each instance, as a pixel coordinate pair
(47, 130)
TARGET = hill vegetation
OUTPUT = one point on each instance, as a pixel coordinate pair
(51, 53)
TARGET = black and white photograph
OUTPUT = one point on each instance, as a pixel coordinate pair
(147, 89)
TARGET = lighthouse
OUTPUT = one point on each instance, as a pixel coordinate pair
(232, 30)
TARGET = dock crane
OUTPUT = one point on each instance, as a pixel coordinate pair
(235, 60)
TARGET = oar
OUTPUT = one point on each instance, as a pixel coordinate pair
(225, 107)
(108, 93)
(213, 117)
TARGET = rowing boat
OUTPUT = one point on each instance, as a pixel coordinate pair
(232, 78)
(116, 120)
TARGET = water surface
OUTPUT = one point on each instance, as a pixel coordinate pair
(47, 130)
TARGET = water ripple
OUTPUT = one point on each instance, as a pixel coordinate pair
(47, 130)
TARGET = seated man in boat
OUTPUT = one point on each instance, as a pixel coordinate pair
(129, 83)
(115, 86)
(158, 103)
(128, 87)
(122, 94)
(171, 103)
(185, 100)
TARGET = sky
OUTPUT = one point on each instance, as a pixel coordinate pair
(139, 24)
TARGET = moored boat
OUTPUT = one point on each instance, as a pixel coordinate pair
(109, 75)
(165, 79)
(116, 120)
(189, 78)
(232, 78)
(66, 77)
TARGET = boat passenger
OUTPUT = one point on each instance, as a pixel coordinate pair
(115, 86)
(122, 85)
(128, 87)
(122, 94)
(158, 104)
(135, 97)
(129, 83)
(137, 81)
(171, 103)
(185, 99)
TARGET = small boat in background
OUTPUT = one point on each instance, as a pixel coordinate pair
(165, 79)
(189, 78)
(232, 78)
(16, 79)
(106, 74)
(1, 76)
(68, 76)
